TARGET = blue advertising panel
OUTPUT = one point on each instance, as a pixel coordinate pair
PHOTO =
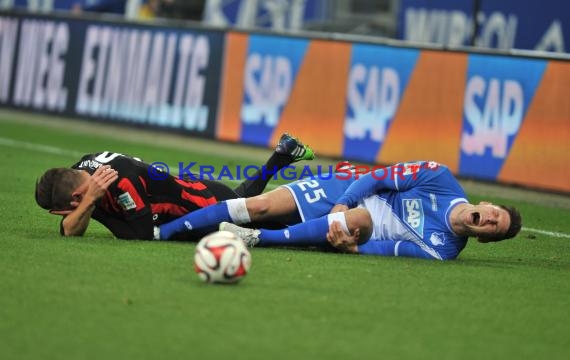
(506, 24)
(290, 14)
(498, 93)
(446, 22)
(270, 72)
(148, 76)
(539, 25)
(117, 6)
(377, 80)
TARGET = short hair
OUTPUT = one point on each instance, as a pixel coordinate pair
(55, 188)
(514, 227)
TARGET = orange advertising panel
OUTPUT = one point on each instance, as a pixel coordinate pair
(540, 156)
(427, 125)
(315, 110)
(494, 118)
(231, 92)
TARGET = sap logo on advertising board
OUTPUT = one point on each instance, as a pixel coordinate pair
(373, 96)
(267, 84)
(494, 110)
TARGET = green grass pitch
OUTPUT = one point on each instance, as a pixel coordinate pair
(96, 297)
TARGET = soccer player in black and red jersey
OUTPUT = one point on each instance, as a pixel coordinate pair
(117, 191)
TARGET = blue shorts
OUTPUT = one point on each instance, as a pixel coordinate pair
(316, 197)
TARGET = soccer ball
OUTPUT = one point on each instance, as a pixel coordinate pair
(221, 257)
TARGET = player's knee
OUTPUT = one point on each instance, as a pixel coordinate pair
(359, 219)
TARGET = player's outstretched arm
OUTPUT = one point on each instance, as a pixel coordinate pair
(76, 222)
(359, 242)
(398, 177)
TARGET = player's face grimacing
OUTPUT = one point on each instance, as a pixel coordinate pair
(486, 220)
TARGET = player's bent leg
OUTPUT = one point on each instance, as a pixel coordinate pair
(288, 151)
(271, 206)
(274, 205)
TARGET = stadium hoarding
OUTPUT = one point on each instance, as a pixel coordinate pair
(387, 104)
(313, 104)
(112, 71)
(498, 92)
(494, 117)
(292, 15)
(506, 24)
(378, 77)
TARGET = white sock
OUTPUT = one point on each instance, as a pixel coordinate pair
(338, 216)
(238, 211)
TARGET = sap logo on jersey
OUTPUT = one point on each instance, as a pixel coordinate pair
(375, 105)
(414, 215)
(499, 118)
(268, 82)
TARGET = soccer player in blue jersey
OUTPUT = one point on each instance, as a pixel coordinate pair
(411, 209)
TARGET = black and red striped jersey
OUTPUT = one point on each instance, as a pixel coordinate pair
(136, 202)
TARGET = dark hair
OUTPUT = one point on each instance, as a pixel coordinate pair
(54, 189)
(514, 227)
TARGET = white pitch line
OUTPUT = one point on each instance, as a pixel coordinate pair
(77, 154)
(549, 233)
(40, 148)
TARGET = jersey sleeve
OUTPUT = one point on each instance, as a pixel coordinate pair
(394, 248)
(398, 177)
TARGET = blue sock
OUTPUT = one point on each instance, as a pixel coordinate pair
(312, 232)
(209, 216)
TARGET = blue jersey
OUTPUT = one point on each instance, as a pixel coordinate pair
(409, 204)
